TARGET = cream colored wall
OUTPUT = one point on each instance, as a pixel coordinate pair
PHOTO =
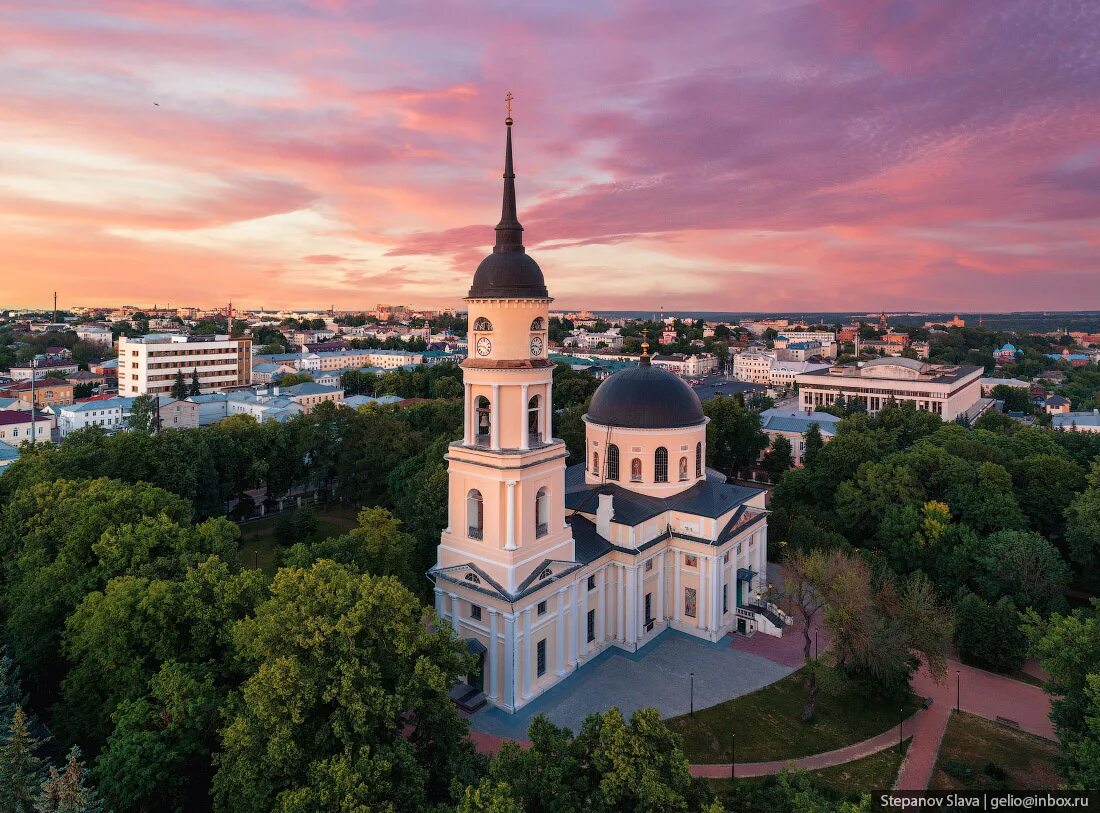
(511, 320)
(646, 441)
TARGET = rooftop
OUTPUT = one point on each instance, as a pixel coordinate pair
(902, 369)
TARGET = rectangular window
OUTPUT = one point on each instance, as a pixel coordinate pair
(541, 609)
(648, 565)
(591, 582)
(726, 558)
(738, 548)
(691, 560)
(725, 599)
(475, 612)
(591, 626)
(689, 602)
(540, 663)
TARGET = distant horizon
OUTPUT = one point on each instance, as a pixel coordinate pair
(752, 155)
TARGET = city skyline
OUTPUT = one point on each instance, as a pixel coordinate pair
(839, 157)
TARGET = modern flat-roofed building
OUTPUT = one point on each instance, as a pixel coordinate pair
(147, 365)
(947, 390)
(755, 368)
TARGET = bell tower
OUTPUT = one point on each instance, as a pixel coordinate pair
(506, 477)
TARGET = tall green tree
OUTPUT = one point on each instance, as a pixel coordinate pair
(195, 387)
(179, 386)
(67, 790)
(143, 414)
(351, 712)
(779, 459)
(21, 769)
(734, 436)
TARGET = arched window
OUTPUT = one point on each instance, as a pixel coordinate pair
(546, 574)
(475, 515)
(538, 324)
(612, 462)
(484, 420)
(683, 468)
(635, 470)
(596, 463)
(542, 512)
(472, 577)
(660, 465)
(533, 430)
(699, 459)
(481, 323)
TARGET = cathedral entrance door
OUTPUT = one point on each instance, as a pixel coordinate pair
(476, 678)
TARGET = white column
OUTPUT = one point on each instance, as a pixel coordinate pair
(603, 605)
(716, 589)
(639, 613)
(620, 627)
(491, 657)
(581, 590)
(631, 574)
(439, 609)
(573, 627)
(548, 430)
(561, 632)
(661, 586)
(494, 429)
(454, 611)
(510, 660)
(510, 531)
(701, 596)
(524, 440)
(526, 668)
(466, 433)
(678, 593)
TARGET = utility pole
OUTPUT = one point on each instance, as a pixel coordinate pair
(55, 307)
(34, 430)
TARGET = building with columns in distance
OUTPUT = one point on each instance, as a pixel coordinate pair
(542, 566)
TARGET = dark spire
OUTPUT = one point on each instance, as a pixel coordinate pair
(509, 230)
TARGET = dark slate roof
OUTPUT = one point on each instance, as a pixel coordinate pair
(707, 498)
(590, 546)
(645, 397)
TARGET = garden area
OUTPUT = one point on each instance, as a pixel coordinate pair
(768, 723)
(977, 754)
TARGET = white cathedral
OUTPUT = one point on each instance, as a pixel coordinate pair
(542, 566)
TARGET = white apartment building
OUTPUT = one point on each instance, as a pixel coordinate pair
(147, 365)
(822, 337)
(754, 368)
(592, 341)
(783, 373)
(94, 334)
(945, 389)
(110, 413)
(693, 366)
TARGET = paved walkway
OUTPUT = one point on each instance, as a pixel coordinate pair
(658, 676)
(982, 693)
(887, 739)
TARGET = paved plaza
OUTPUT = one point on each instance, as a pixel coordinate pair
(658, 675)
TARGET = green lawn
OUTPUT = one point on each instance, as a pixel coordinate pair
(258, 548)
(768, 722)
(874, 773)
(972, 743)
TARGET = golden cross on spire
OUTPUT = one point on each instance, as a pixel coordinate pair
(508, 101)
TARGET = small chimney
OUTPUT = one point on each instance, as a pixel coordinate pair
(275, 390)
(605, 512)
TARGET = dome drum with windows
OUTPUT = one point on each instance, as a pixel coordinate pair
(645, 429)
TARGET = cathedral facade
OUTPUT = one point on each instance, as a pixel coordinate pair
(542, 566)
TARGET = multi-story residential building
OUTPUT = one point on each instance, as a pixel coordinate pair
(41, 369)
(753, 367)
(94, 334)
(175, 414)
(793, 424)
(693, 366)
(148, 365)
(944, 389)
(46, 392)
(826, 339)
(265, 406)
(987, 384)
(309, 394)
(592, 341)
(16, 424)
(799, 351)
(783, 373)
(110, 413)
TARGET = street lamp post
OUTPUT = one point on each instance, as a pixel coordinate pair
(691, 701)
(958, 689)
(901, 724)
(733, 759)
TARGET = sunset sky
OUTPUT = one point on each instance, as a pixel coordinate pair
(765, 155)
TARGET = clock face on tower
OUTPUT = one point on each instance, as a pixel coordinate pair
(536, 345)
(484, 346)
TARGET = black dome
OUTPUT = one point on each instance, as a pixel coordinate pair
(645, 397)
(508, 274)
